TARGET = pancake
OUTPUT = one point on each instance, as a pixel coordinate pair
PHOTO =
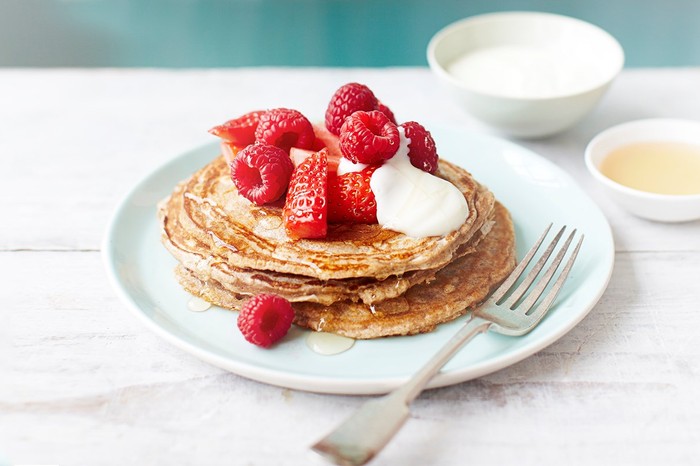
(250, 237)
(361, 281)
(455, 288)
(193, 248)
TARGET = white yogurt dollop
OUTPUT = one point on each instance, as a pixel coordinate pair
(415, 202)
(347, 166)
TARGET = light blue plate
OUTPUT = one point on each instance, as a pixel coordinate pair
(534, 190)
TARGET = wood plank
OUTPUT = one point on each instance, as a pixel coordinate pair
(86, 383)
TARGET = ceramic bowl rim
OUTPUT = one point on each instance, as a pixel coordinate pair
(604, 135)
(451, 28)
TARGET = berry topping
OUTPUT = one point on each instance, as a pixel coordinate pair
(331, 142)
(305, 209)
(239, 131)
(386, 111)
(368, 137)
(350, 198)
(347, 100)
(265, 319)
(261, 172)
(421, 149)
(285, 128)
(299, 155)
(229, 150)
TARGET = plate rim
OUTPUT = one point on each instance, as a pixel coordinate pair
(333, 384)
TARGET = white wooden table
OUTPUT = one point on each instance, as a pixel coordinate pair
(82, 382)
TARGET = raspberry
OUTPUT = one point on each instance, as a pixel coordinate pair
(386, 111)
(285, 128)
(261, 173)
(239, 131)
(265, 319)
(368, 137)
(421, 149)
(350, 197)
(347, 100)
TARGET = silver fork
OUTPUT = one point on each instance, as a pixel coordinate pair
(365, 433)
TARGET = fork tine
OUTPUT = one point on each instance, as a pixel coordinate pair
(539, 288)
(518, 270)
(542, 309)
(530, 277)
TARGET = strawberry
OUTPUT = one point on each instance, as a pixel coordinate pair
(299, 155)
(229, 150)
(305, 210)
(239, 131)
(329, 140)
(350, 198)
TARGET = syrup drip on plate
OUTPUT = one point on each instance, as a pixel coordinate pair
(328, 343)
(198, 304)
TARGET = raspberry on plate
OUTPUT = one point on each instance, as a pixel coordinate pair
(239, 131)
(421, 149)
(347, 100)
(368, 137)
(305, 210)
(261, 173)
(350, 198)
(264, 319)
(285, 128)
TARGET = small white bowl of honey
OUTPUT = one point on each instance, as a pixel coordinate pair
(650, 167)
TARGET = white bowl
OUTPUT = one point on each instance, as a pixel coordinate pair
(659, 207)
(532, 74)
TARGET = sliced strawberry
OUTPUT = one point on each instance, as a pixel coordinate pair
(229, 150)
(350, 198)
(299, 155)
(239, 131)
(306, 208)
(329, 140)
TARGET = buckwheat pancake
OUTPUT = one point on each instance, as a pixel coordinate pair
(205, 263)
(253, 237)
(455, 288)
(197, 251)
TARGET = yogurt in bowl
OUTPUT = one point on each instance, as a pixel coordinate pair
(525, 74)
(525, 71)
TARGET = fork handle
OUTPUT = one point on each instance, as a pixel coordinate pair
(474, 326)
(368, 430)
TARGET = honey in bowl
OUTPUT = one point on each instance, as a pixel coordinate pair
(655, 167)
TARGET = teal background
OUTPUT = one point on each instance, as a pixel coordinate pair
(207, 33)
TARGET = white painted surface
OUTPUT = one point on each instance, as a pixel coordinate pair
(82, 382)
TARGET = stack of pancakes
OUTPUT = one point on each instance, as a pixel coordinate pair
(361, 281)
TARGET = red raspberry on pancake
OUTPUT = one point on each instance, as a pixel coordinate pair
(261, 173)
